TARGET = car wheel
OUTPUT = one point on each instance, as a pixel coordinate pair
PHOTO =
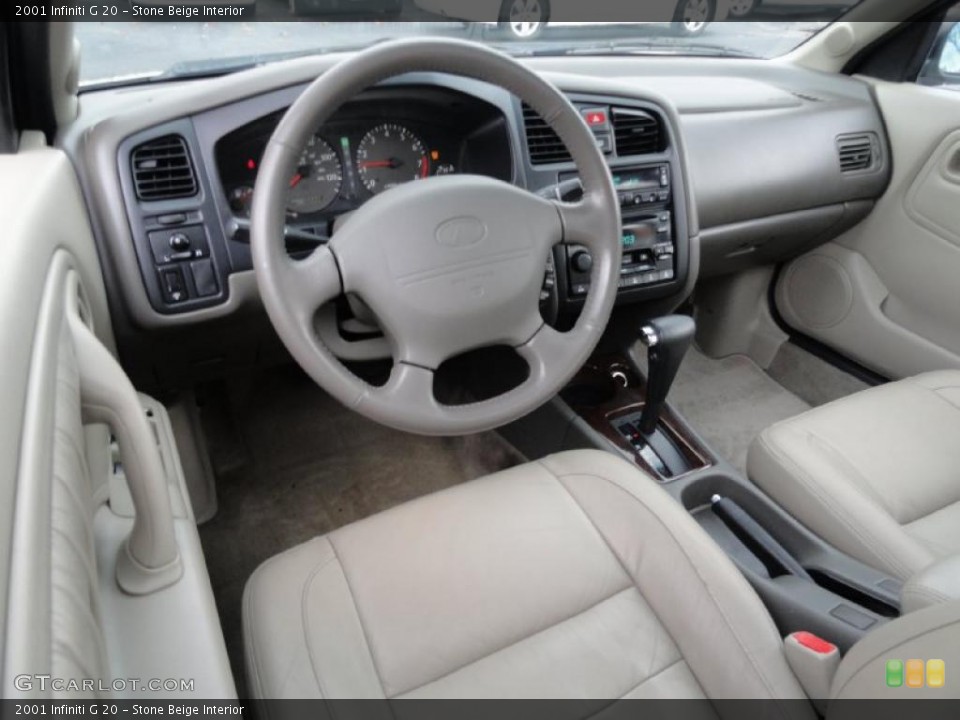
(692, 16)
(523, 19)
(742, 8)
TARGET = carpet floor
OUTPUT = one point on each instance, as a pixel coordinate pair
(729, 401)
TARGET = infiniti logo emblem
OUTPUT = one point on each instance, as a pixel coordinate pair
(461, 232)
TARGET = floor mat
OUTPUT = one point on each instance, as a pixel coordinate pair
(729, 401)
(810, 378)
(293, 464)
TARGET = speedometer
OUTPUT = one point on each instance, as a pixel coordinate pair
(318, 179)
(390, 155)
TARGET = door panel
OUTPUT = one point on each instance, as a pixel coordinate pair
(932, 201)
(65, 515)
(887, 293)
(42, 217)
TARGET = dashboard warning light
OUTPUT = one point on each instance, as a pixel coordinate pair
(251, 164)
(434, 155)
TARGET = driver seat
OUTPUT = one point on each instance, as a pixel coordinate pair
(571, 577)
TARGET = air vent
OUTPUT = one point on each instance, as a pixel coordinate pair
(858, 152)
(162, 169)
(636, 132)
(544, 144)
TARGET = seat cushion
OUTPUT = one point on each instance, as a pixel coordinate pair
(876, 474)
(572, 577)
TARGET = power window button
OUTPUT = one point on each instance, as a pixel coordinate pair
(171, 282)
(204, 278)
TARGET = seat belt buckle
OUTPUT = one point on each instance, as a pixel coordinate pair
(814, 661)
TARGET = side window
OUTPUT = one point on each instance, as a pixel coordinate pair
(942, 68)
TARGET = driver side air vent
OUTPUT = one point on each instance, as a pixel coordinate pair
(636, 132)
(544, 145)
(858, 152)
(162, 169)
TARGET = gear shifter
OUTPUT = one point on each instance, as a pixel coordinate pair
(667, 340)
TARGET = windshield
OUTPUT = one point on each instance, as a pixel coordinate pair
(130, 52)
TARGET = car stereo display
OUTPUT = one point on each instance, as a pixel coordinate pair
(637, 179)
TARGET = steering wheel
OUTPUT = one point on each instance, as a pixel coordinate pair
(446, 264)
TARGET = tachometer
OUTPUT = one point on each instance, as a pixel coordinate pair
(390, 155)
(318, 179)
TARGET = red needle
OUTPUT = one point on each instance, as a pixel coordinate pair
(295, 180)
(377, 163)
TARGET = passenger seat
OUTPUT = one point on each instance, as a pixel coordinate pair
(876, 474)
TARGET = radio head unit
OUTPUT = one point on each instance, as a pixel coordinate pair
(638, 187)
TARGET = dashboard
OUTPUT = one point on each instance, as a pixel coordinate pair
(719, 166)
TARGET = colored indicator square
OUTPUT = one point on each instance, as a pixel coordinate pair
(914, 673)
(936, 673)
(894, 673)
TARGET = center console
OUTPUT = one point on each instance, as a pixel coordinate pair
(805, 583)
(650, 247)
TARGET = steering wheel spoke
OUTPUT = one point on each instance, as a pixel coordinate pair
(409, 386)
(584, 222)
(312, 282)
(544, 350)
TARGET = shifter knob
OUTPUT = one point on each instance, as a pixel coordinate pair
(667, 340)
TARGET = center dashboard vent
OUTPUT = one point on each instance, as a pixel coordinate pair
(858, 153)
(162, 169)
(544, 145)
(636, 132)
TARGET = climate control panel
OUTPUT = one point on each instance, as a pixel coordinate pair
(649, 256)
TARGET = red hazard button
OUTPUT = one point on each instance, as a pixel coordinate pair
(596, 118)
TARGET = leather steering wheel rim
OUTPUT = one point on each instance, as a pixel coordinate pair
(447, 264)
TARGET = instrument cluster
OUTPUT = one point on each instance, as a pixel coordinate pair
(366, 149)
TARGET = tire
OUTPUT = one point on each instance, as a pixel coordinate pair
(742, 8)
(692, 17)
(534, 16)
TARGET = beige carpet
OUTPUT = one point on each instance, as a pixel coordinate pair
(810, 378)
(293, 464)
(729, 401)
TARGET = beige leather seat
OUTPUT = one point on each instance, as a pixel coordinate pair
(573, 577)
(876, 474)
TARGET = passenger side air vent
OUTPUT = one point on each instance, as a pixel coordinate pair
(162, 169)
(544, 144)
(636, 132)
(858, 152)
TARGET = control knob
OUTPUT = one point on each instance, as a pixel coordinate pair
(179, 242)
(582, 262)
